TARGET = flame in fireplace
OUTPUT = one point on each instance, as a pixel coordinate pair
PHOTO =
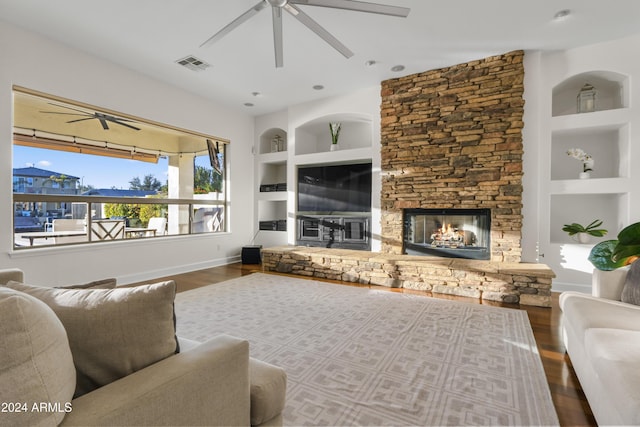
(447, 235)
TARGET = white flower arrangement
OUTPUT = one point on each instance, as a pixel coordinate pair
(586, 159)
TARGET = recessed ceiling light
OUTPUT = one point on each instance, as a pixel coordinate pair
(562, 15)
(256, 94)
(397, 68)
(370, 63)
(248, 104)
(318, 87)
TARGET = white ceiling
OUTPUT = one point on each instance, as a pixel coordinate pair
(150, 35)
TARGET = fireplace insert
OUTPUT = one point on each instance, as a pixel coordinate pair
(452, 233)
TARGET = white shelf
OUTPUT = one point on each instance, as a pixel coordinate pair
(339, 156)
(608, 119)
(277, 157)
(590, 186)
(272, 196)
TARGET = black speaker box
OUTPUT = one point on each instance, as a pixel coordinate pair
(251, 254)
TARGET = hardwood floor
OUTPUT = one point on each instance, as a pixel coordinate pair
(570, 402)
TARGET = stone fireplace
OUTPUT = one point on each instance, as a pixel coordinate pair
(451, 149)
(450, 233)
(452, 138)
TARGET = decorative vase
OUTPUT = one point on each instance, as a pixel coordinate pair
(585, 175)
(583, 238)
(334, 147)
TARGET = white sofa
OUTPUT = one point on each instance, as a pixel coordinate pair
(602, 337)
(210, 383)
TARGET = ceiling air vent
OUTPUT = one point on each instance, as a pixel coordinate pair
(193, 63)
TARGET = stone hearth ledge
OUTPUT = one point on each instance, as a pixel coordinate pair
(523, 283)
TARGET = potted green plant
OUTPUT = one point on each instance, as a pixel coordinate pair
(582, 232)
(612, 254)
(334, 128)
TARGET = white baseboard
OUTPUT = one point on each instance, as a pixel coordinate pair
(154, 274)
(575, 287)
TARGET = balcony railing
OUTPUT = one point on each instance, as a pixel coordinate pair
(54, 220)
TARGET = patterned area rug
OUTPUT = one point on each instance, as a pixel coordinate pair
(356, 356)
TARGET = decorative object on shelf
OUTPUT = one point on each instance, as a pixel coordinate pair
(277, 144)
(334, 128)
(612, 254)
(583, 233)
(587, 99)
(586, 159)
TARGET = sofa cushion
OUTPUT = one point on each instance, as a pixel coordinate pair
(113, 332)
(96, 284)
(631, 290)
(615, 358)
(36, 365)
(268, 391)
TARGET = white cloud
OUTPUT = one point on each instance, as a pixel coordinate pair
(44, 163)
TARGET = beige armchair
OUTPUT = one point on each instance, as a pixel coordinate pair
(210, 383)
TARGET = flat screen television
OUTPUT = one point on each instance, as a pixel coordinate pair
(335, 188)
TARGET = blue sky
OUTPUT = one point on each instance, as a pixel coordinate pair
(97, 171)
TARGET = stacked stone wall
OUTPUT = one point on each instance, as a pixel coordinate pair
(524, 283)
(452, 138)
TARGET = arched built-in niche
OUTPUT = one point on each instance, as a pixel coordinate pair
(315, 137)
(267, 138)
(612, 92)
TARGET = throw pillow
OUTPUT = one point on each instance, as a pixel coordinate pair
(36, 366)
(113, 332)
(96, 284)
(631, 289)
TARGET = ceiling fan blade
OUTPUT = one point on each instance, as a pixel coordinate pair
(119, 122)
(81, 120)
(359, 6)
(277, 36)
(68, 108)
(104, 118)
(68, 114)
(103, 122)
(236, 22)
(318, 29)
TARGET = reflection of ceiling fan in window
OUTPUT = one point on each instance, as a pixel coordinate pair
(290, 6)
(101, 117)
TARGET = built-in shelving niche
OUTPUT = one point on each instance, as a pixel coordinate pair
(612, 92)
(315, 137)
(605, 135)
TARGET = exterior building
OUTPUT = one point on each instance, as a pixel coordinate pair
(32, 180)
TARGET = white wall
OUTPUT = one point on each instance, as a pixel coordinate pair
(33, 62)
(543, 72)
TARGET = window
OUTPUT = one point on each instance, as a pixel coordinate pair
(85, 170)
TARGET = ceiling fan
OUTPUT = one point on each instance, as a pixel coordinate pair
(101, 117)
(277, 6)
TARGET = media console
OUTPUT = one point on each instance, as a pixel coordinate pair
(331, 231)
